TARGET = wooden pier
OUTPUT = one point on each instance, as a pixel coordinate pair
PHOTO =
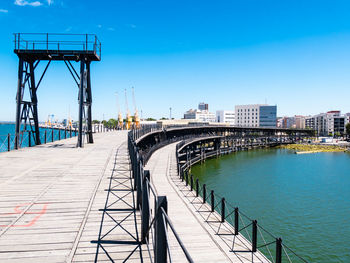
(59, 203)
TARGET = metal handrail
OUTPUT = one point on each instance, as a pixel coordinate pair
(184, 168)
(144, 190)
(88, 42)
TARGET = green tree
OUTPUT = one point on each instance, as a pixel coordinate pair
(112, 123)
(95, 122)
(150, 119)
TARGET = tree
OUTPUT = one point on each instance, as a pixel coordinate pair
(347, 127)
(95, 122)
(112, 123)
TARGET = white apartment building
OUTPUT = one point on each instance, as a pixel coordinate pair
(330, 123)
(201, 115)
(256, 115)
(225, 116)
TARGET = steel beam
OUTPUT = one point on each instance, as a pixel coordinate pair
(81, 103)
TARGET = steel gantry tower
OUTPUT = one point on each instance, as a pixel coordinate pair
(32, 49)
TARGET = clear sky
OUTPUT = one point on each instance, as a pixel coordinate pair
(295, 54)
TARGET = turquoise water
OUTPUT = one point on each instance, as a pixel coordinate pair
(9, 128)
(305, 199)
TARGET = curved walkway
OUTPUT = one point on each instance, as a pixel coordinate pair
(205, 237)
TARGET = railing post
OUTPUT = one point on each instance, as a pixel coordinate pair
(16, 141)
(254, 235)
(222, 210)
(65, 133)
(52, 135)
(204, 193)
(45, 137)
(197, 187)
(160, 244)
(191, 182)
(186, 178)
(278, 250)
(8, 142)
(145, 207)
(70, 132)
(236, 221)
(212, 199)
(139, 184)
(29, 139)
(59, 134)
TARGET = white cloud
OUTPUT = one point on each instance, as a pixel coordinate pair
(111, 29)
(24, 3)
(4, 11)
(49, 2)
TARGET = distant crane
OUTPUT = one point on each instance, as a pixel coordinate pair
(49, 121)
(128, 117)
(120, 116)
(136, 115)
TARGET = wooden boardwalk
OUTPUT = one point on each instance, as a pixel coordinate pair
(203, 234)
(52, 200)
(59, 203)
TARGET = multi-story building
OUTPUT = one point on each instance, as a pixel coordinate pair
(286, 122)
(200, 114)
(347, 118)
(300, 121)
(256, 115)
(225, 116)
(203, 106)
(330, 123)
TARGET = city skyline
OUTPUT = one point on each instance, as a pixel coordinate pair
(178, 54)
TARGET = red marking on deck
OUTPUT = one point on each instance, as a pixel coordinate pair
(19, 211)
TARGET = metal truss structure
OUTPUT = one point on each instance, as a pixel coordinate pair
(32, 49)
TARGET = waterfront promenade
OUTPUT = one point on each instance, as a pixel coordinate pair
(52, 196)
(202, 232)
(59, 203)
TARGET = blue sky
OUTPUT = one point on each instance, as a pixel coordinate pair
(295, 54)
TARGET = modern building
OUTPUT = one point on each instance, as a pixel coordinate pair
(256, 115)
(200, 115)
(225, 116)
(286, 122)
(300, 121)
(327, 124)
(203, 106)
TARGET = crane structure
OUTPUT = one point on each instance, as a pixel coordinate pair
(120, 116)
(136, 114)
(128, 117)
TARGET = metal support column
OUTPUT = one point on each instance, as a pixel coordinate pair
(81, 102)
(89, 101)
(19, 102)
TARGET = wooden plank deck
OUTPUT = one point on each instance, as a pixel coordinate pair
(205, 237)
(52, 199)
(59, 203)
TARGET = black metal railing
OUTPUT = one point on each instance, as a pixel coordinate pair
(255, 237)
(26, 138)
(154, 222)
(57, 42)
